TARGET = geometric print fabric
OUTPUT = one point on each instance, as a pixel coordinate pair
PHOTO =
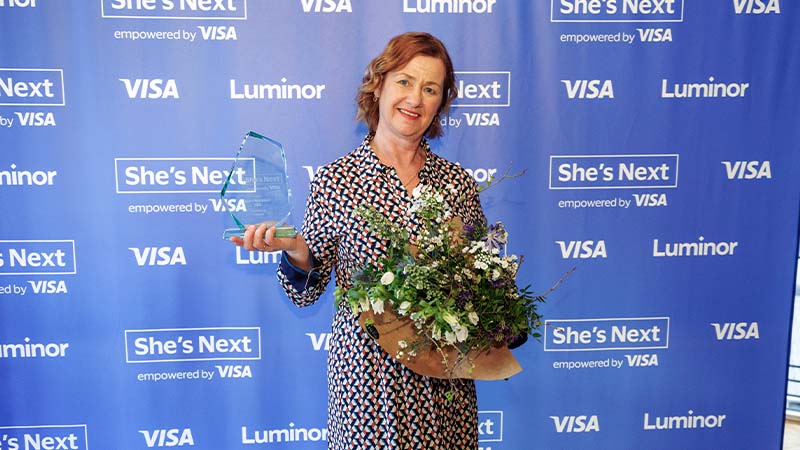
(373, 401)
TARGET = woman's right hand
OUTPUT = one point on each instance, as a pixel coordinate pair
(261, 237)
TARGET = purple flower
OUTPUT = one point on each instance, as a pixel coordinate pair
(469, 232)
(464, 297)
(495, 236)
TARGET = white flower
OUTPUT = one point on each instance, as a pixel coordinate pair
(451, 319)
(436, 333)
(495, 274)
(480, 265)
(364, 304)
(402, 344)
(473, 317)
(450, 337)
(387, 278)
(417, 191)
(457, 277)
(461, 334)
(403, 309)
(377, 306)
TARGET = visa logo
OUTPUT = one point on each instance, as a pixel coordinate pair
(320, 341)
(228, 204)
(655, 34)
(589, 89)
(48, 287)
(234, 371)
(747, 170)
(576, 424)
(757, 7)
(735, 331)
(155, 88)
(646, 360)
(217, 33)
(36, 119)
(172, 437)
(650, 199)
(159, 256)
(582, 249)
(482, 119)
(326, 6)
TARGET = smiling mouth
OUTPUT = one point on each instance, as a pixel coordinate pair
(409, 114)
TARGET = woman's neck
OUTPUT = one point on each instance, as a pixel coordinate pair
(400, 154)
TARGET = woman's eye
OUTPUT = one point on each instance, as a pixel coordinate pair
(403, 82)
(430, 91)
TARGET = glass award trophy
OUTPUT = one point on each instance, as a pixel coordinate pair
(257, 187)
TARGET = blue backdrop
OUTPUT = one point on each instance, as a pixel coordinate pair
(660, 140)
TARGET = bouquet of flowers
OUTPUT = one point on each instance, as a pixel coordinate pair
(447, 302)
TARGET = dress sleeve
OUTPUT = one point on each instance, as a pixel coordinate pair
(305, 288)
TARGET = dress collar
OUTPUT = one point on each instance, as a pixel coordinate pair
(369, 162)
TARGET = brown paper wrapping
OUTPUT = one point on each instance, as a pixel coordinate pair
(496, 363)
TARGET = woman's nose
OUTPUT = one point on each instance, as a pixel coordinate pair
(414, 97)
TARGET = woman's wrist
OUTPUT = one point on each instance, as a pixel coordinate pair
(300, 258)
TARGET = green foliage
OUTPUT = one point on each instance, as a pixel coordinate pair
(455, 282)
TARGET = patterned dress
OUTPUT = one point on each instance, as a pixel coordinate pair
(373, 401)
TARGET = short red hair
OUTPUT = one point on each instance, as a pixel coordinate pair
(400, 51)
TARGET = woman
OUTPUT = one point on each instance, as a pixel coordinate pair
(373, 401)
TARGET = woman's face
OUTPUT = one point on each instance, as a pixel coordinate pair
(409, 98)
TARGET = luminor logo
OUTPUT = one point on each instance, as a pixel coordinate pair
(14, 177)
(275, 91)
(290, 434)
(686, 422)
(245, 258)
(698, 248)
(18, 3)
(27, 349)
(449, 6)
(711, 89)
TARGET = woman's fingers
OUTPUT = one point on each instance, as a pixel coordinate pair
(262, 237)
